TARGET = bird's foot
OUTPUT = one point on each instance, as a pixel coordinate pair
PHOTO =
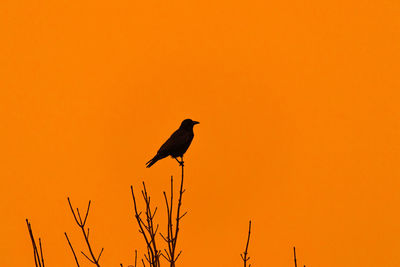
(180, 162)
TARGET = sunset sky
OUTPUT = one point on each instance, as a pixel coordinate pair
(299, 110)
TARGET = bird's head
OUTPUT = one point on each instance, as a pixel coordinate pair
(188, 124)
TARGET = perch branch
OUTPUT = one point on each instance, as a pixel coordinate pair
(245, 256)
(171, 237)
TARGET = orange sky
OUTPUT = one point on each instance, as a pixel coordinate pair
(300, 121)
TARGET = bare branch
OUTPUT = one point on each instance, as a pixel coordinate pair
(81, 224)
(72, 210)
(172, 233)
(244, 256)
(73, 252)
(295, 258)
(87, 213)
(147, 228)
(41, 251)
(39, 260)
(101, 252)
(88, 257)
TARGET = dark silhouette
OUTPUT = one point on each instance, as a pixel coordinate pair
(37, 251)
(177, 144)
(81, 223)
(245, 254)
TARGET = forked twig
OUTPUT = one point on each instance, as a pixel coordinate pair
(147, 228)
(81, 224)
(171, 237)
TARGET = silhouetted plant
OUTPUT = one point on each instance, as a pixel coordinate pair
(294, 256)
(37, 254)
(171, 237)
(148, 230)
(245, 256)
(73, 251)
(81, 224)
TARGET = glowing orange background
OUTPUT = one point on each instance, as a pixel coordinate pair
(300, 121)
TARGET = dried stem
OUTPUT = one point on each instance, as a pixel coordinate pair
(172, 233)
(81, 224)
(147, 229)
(39, 260)
(244, 256)
(295, 258)
(72, 249)
(135, 258)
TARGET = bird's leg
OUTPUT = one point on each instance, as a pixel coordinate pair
(180, 162)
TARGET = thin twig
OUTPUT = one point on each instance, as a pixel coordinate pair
(39, 260)
(81, 224)
(41, 252)
(171, 237)
(135, 257)
(147, 228)
(72, 249)
(295, 260)
(244, 256)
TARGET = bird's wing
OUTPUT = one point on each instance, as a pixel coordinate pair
(178, 140)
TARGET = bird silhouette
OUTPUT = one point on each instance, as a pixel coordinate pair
(177, 144)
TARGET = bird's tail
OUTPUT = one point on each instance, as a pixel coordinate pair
(153, 160)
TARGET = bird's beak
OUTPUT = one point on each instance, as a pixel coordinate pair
(195, 122)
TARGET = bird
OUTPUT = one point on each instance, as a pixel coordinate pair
(177, 143)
